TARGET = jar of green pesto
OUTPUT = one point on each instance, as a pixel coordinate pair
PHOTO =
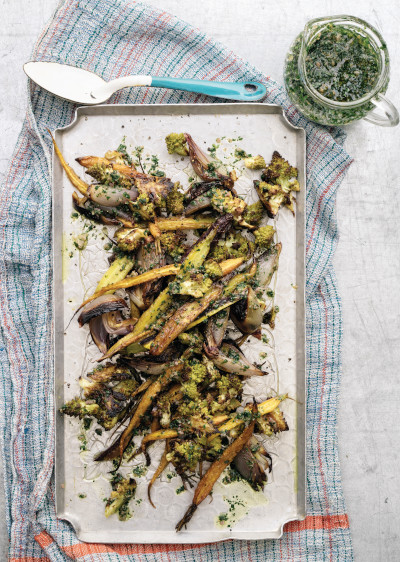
(337, 71)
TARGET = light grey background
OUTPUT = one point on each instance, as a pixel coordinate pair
(367, 261)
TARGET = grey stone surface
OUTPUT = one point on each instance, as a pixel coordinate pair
(367, 260)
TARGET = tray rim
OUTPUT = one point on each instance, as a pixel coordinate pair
(58, 351)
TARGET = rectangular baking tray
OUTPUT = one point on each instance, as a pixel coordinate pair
(80, 483)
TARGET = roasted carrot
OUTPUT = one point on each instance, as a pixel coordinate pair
(206, 484)
(133, 281)
(181, 319)
(125, 341)
(164, 462)
(158, 435)
(183, 223)
(146, 401)
(73, 177)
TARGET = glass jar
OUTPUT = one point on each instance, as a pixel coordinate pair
(343, 97)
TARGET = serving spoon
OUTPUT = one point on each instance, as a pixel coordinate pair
(85, 87)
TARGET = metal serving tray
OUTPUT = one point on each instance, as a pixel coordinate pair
(81, 485)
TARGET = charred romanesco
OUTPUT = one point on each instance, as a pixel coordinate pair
(278, 182)
(172, 243)
(255, 162)
(144, 207)
(129, 239)
(271, 423)
(234, 246)
(280, 171)
(224, 202)
(264, 236)
(106, 395)
(174, 200)
(213, 269)
(198, 372)
(107, 176)
(254, 213)
(123, 491)
(176, 144)
(192, 339)
(80, 408)
(190, 452)
(196, 284)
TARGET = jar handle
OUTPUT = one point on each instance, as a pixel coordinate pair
(391, 115)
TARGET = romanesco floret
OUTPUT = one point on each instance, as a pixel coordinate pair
(213, 269)
(172, 243)
(231, 383)
(274, 422)
(263, 426)
(129, 239)
(106, 403)
(191, 453)
(255, 162)
(271, 195)
(219, 253)
(144, 207)
(229, 388)
(174, 200)
(278, 181)
(196, 285)
(279, 171)
(212, 371)
(189, 388)
(234, 246)
(198, 372)
(277, 421)
(254, 213)
(192, 339)
(264, 236)
(80, 408)
(107, 176)
(224, 202)
(123, 491)
(187, 409)
(176, 144)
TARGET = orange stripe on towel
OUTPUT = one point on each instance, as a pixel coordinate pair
(312, 522)
(79, 550)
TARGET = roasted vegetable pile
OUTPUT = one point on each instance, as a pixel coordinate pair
(184, 267)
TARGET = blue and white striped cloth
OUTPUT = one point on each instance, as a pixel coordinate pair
(115, 38)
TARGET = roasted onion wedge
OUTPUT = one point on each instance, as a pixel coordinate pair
(100, 305)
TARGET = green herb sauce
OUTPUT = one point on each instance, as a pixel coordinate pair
(342, 65)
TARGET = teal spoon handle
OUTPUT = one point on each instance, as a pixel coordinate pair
(240, 91)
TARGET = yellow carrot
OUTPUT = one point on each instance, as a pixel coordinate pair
(158, 435)
(263, 408)
(73, 177)
(125, 341)
(132, 281)
(180, 320)
(117, 271)
(160, 469)
(177, 223)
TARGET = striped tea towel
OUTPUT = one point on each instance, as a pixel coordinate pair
(116, 38)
